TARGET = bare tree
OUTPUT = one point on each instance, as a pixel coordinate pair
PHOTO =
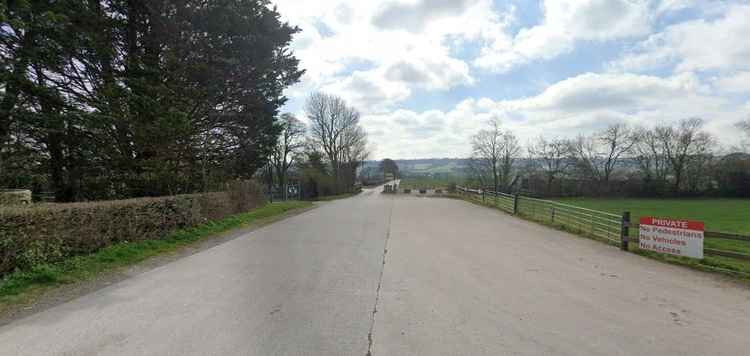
(495, 151)
(353, 152)
(682, 143)
(649, 153)
(335, 129)
(487, 151)
(597, 156)
(586, 152)
(745, 127)
(290, 143)
(510, 150)
(698, 176)
(618, 140)
(552, 157)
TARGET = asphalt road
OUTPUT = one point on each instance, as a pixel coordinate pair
(445, 278)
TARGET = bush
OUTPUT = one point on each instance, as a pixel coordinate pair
(44, 233)
(315, 185)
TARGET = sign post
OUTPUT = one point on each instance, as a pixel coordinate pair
(670, 236)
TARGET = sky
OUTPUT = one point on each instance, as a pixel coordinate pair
(428, 74)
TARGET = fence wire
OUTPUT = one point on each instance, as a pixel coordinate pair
(593, 222)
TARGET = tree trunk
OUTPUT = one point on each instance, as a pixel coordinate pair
(54, 144)
(550, 179)
(282, 183)
(495, 178)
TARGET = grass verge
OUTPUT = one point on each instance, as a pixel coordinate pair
(20, 286)
(739, 269)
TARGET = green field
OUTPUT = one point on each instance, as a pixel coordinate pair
(428, 182)
(725, 215)
(722, 215)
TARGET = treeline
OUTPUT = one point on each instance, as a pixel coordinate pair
(680, 159)
(108, 99)
(323, 156)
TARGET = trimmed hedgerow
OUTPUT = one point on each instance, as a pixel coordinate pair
(15, 196)
(44, 233)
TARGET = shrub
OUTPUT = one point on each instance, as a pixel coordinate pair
(38, 234)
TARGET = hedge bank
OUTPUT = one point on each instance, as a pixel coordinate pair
(45, 233)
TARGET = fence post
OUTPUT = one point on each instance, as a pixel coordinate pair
(625, 230)
(483, 195)
(553, 214)
(515, 204)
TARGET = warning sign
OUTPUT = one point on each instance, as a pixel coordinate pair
(675, 237)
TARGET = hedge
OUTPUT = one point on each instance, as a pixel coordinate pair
(15, 196)
(45, 233)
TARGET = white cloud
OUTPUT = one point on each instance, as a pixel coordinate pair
(428, 73)
(368, 91)
(415, 52)
(378, 55)
(414, 17)
(591, 91)
(565, 23)
(380, 89)
(697, 45)
(734, 83)
(581, 104)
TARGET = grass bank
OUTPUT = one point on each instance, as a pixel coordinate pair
(21, 286)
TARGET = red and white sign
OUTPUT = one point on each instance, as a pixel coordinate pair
(675, 237)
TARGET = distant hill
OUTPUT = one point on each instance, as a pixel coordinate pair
(426, 166)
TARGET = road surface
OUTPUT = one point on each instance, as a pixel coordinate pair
(392, 275)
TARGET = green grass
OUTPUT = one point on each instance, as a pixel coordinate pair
(428, 182)
(21, 286)
(725, 215)
(433, 168)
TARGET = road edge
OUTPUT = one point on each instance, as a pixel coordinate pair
(730, 276)
(46, 297)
